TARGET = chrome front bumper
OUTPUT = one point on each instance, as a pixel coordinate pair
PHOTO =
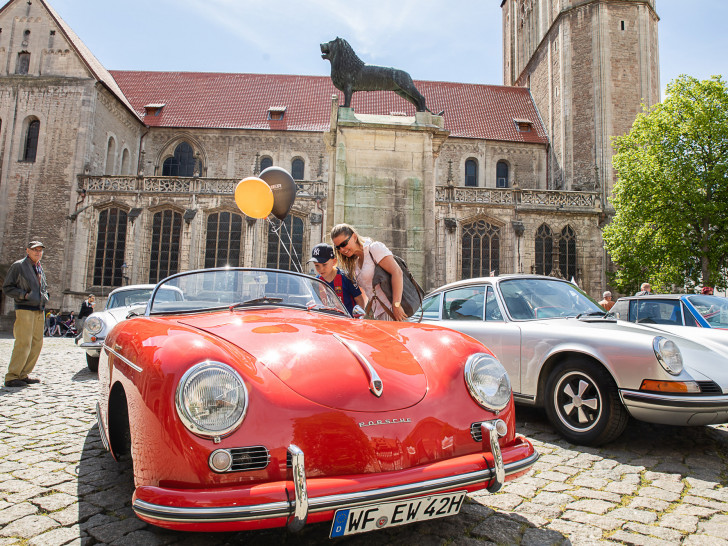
(297, 510)
(670, 409)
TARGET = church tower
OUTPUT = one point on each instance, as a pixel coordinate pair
(590, 64)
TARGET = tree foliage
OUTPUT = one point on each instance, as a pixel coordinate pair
(671, 195)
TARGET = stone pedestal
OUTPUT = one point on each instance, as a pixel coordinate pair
(382, 182)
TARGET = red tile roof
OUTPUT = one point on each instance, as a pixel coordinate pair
(220, 100)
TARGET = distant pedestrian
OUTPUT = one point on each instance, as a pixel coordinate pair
(707, 290)
(645, 290)
(26, 283)
(325, 263)
(607, 302)
(87, 307)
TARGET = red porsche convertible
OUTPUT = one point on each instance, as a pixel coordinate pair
(256, 401)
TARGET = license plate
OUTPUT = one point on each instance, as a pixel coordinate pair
(373, 517)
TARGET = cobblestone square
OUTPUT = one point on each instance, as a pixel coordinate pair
(654, 485)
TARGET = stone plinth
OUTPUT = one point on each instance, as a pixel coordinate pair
(383, 182)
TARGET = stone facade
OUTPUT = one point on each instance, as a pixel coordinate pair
(95, 154)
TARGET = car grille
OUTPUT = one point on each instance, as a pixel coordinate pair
(709, 387)
(475, 432)
(249, 458)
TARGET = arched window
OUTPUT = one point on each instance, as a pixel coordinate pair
(23, 65)
(110, 248)
(164, 253)
(265, 162)
(481, 250)
(567, 253)
(544, 250)
(501, 174)
(31, 140)
(182, 163)
(285, 243)
(125, 160)
(471, 173)
(110, 155)
(297, 169)
(224, 235)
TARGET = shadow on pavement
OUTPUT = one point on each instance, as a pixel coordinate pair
(105, 490)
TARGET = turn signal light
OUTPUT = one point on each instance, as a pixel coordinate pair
(669, 386)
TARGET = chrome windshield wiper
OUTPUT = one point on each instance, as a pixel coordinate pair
(256, 301)
(321, 307)
(593, 314)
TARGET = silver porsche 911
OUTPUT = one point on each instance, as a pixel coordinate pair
(588, 370)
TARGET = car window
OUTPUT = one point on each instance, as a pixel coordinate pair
(492, 307)
(657, 312)
(464, 303)
(714, 309)
(528, 299)
(620, 310)
(430, 308)
(128, 297)
(689, 318)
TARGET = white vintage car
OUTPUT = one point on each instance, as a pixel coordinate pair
(587, 369)
(122, 303)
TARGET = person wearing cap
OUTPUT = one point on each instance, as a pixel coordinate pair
(26, 283)
(707, 290)
(324, 261)
(607, 302)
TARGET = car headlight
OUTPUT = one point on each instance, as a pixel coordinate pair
(487, 381)
(93, 325)
(211, 399)
(668, 355)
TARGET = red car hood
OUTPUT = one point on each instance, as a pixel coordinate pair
(299, 347)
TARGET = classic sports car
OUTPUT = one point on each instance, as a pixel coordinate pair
(257, 402)
(588, 370)
(121, 303)
(697, 310)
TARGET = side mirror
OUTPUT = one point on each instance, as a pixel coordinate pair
(358, 312)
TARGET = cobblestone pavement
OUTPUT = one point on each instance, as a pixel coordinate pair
(655, 485)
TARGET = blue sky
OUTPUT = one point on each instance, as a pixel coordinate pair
(454, 40)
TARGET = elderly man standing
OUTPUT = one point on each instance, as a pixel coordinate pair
(26, 283)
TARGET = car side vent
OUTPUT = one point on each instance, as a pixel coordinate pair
(249, 458)
(709, 387)
(475, 432)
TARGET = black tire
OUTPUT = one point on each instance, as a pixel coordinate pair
(92, 362)
(583, 404)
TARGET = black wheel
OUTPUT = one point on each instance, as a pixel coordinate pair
(583, 404)
(92, 362)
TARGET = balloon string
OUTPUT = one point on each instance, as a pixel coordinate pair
(277, 231)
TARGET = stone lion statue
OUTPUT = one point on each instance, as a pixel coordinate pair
(349, 74)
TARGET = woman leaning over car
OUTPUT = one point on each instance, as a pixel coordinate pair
(359, 256)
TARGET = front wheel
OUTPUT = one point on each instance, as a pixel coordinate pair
(92, 362)
(583, 404)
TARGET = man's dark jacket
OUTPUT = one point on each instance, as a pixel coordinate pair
(21, 284)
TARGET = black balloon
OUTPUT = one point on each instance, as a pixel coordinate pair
(284, 190)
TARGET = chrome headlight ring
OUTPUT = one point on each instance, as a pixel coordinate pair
(487, 381)
(93, 325)
(668, 355)
(211, 399)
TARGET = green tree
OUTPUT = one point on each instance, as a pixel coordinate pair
(671, 195)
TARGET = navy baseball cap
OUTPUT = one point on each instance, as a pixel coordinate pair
(322, 253)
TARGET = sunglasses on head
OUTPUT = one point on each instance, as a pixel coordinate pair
(346, 242)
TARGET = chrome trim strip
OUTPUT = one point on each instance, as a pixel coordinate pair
(375, 383)
(684, 401)
(100, 426)
(124, 360)
(300, 511)
(92, 344)
(499, 470)
(322, 504)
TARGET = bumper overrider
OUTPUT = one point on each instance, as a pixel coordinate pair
(676, 409)
(295, 502)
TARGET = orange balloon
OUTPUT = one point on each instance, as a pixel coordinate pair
(254, 197)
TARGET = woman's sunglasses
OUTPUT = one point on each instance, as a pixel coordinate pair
(346, 242)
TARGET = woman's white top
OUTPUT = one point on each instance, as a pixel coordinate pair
(364, 274)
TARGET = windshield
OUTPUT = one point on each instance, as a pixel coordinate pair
(713, 308)
(530, 299)
(221, 288)
(125, 298)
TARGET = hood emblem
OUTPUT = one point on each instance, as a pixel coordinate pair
(376, 386)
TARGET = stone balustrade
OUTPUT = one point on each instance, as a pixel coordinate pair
(547, 199)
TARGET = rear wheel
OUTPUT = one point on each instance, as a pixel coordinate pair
(583, 404)
(92, 362)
